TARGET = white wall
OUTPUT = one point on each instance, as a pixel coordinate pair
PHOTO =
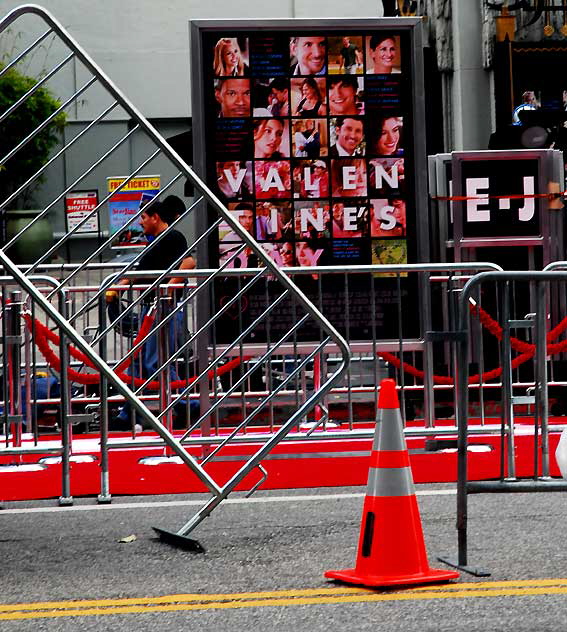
(144, 46)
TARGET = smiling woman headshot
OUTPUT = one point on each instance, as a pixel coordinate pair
(387, 136)
(383, 54)
(228, 61)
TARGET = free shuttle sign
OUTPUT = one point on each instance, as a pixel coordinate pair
(79, 207)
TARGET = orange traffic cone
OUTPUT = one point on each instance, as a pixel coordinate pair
(391, 549)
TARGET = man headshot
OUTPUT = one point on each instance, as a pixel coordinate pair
(349, 134)
(244, 212)
(234, 179)
(310, 54)
(233, 95)
(351, 57)
(342, 95)
(279, 97)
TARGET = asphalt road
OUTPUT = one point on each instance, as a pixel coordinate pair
(264, 564)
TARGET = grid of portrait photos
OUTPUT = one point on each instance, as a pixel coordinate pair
(305, 136)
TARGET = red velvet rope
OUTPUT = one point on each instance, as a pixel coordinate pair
(42, 339)
(527, 350)
(51, 336)
(44, 335)
(519, 345)
(443, 379)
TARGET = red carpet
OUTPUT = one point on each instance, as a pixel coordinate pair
(328, 463)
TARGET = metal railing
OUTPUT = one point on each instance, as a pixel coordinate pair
(529, 338)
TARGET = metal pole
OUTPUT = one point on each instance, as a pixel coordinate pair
(163, 353)
(541, 373)
(104, 496)
(507, 418)
(14, 357)
(65, 498)
(461, 369)
(428, 395)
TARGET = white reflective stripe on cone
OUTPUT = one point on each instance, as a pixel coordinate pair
(390, 481)
(391, 435)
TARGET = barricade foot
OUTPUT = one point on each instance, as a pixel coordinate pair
(104, 499)
(477, 572)
(65, 501)
(181, 541)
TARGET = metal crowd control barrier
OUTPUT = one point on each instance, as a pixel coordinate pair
(267, 391)
(531, 329)
(98, 87)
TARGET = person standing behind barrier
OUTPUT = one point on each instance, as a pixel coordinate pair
(529, 102)
(172, 247)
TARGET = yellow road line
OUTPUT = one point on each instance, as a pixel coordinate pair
(562, 581)
(180, 598)
(324, 596)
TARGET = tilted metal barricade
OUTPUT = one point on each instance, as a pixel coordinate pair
(46, 309)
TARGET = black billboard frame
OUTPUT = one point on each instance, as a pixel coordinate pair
(414, 28)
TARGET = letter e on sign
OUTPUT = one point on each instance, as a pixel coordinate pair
(473, 190)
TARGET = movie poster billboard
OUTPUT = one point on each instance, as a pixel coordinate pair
(125, 204)
(312, 135)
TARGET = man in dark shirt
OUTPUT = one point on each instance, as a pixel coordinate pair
(171, 249)
(171, 246)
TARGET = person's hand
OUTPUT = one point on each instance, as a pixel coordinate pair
(111, 295)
